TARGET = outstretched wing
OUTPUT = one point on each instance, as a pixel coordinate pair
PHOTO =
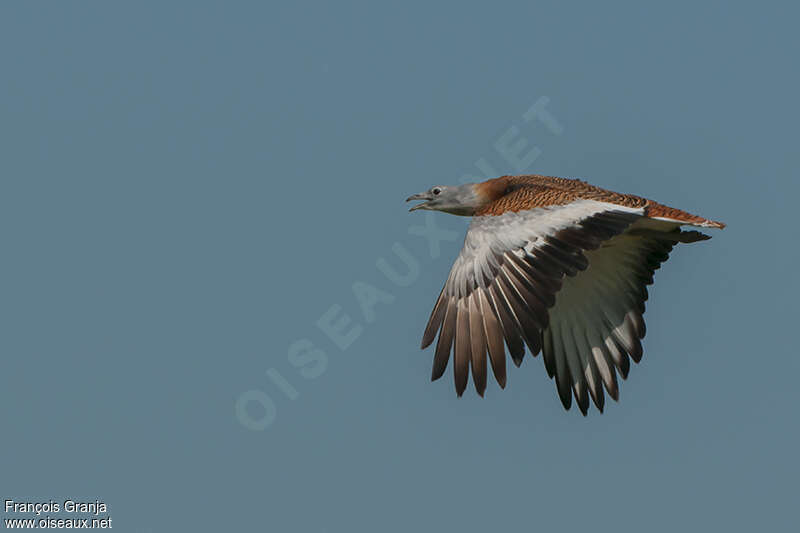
(505, 280)
(597, 321)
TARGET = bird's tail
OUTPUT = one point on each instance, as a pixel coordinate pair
(659, 211)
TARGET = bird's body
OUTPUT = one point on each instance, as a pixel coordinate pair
(555, 264)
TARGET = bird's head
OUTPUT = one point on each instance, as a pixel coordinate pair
(454, 199)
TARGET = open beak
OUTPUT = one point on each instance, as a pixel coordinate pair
(420, 196)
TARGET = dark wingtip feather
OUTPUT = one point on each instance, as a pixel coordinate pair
(614, 394)
(566, 400)
(494, 339)
(625, 367)
(513, 341)
(564, 392)
(461, 349)
(692, 236)
(581, 397)
(477, 345)
(598, 398)
(434, 322)
(438, 370)
(442, 354)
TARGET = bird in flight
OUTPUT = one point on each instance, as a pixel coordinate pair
(555, 264)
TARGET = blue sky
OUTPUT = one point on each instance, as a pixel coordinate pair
(189, 189)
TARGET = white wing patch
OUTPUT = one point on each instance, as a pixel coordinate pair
(489, 236)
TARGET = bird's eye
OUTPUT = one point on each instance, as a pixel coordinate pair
(436, 190)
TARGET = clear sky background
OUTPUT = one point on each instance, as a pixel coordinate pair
(188, 187)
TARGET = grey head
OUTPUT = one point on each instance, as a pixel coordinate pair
(454, 199)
